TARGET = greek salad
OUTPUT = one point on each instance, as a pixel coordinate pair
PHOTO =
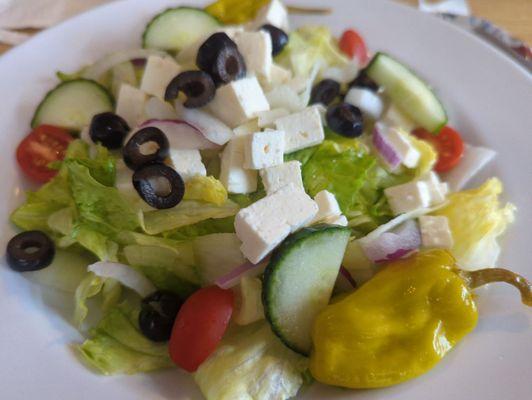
(235, 199)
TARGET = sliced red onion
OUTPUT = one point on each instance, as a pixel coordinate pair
(124, 274)
(212, 128)
(96, 70)
(344, 282)
(474, 159)
(232, 278)
(394, 244)
(181, 134)
(385, 149)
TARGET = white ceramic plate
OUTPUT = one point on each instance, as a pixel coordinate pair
(489, 99)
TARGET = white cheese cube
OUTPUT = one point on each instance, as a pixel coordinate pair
(239, 101)
(278, 76)
(158, 74)
(408, 197)
(327, 204)
(256, 48)
(285, 97)
(266, 223)
(188, 163)
(263, 149)
(266, 119)
(247, 129)
(435, 232)
(274, 13)
(248, 301)
(302, 129)
(233, 176)
(366, 100)
(402, 145)
(130, 104)
(437, 189)
(274, 178)
(340, 220)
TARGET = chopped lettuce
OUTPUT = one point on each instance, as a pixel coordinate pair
(117, 346)
(477, 219)
(89, 287)
(187, 212)
(251, 364)
(309, 45)
(346, 169)
(205, 188)
(220, 225)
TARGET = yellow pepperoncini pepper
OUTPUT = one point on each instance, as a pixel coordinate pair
(235, 11)
(399, 324)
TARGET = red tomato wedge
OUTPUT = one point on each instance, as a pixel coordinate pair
(199, 326)
(45, 144)
(449, 145)
(352, 44)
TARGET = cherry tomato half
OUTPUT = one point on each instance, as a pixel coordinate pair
(352, 44)
(448, 144)
(199, 326)
(45, 144)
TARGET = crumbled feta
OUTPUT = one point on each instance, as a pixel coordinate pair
(256, 48)
(158, 74)
(274, 178)
(187, 163)
(366, 100)
(266, 223)
(327, 204)
(239, 101)
(263, 149)
(302, 129)
(266, 119)
(274, 13)
(435, 232)
(408, 197)
(130, 104)
(233, 176)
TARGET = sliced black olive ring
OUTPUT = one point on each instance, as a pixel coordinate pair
(149, 145)
(30, 251)
(157, 315)
(159, 185)
(198, 86)
(109, 130)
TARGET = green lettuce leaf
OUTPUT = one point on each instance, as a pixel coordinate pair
(89, 287)
(251, 364)
(477, 218)
(205, 188)
(221, 225)
(117, 346)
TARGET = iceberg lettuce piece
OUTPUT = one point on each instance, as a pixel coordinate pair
(477, 218)
(205, 188)
(251, 364)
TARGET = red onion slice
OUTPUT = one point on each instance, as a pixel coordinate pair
(232, 278)
(385, 149)
(181, 134)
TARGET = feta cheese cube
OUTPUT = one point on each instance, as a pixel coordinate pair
(408, 197)
(437, 189)
(401, 144)
(188, 163)
(233, 176)
(239, 101)
(263, 149)
(158, 74)
(278, 76)
(274, 178)
(130, 104)
(285, 97)
(274, 13)
(266, 223)
(327, 204)
(256, 48)
(336, 220)
(266, 119)
(302, 129)
(247, 129)
(366, 100)
(435, 232)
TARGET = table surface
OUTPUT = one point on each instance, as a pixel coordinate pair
(515, 16)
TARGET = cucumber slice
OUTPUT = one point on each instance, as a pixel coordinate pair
(299, 280)
(408, 92)
(72, 104)
(177, 28)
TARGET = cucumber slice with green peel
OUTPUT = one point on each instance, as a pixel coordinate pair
(72, 104)
(299, 280)
(176, 28)
(408, 92)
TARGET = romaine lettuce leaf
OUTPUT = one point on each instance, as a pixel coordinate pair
(477, 218)
(117, 346)
(89, 287)
(205, 188)
(220, 225)
(251, 364)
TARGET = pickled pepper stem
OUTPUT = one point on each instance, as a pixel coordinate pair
(308, 11)
(482, 277)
